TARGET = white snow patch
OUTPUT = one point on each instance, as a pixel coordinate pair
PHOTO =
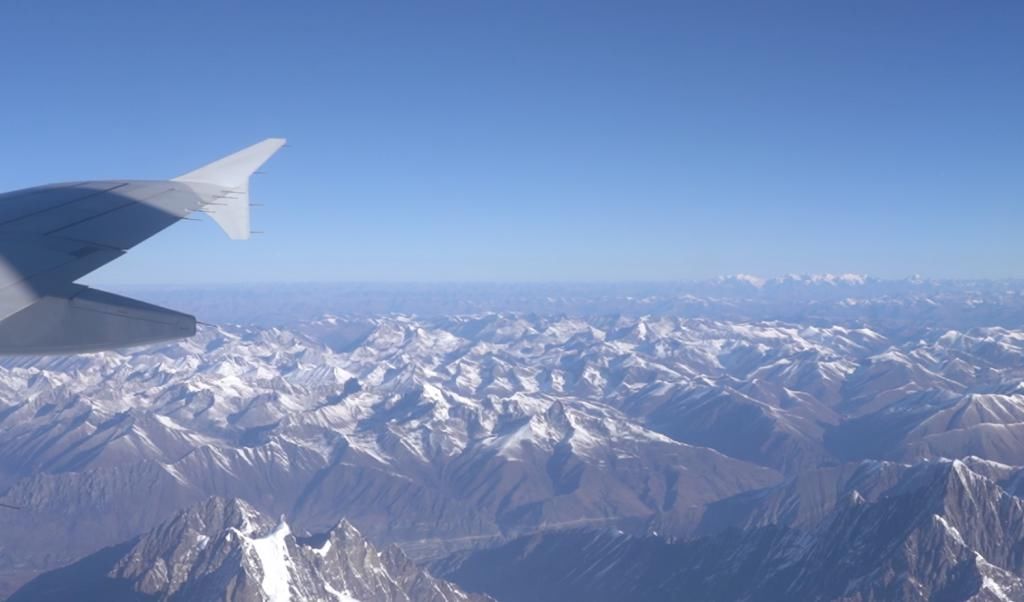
(342, 596)
(275, 561)
(953, 532)
(324, 549)
(174, 472)
(988, 583)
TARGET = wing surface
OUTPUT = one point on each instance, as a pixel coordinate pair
(52, 235)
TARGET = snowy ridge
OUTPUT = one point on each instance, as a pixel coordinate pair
(264, 563)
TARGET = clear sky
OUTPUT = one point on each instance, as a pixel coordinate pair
(539, 141)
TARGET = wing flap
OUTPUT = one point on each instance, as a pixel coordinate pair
(33, 266)
(88, 320)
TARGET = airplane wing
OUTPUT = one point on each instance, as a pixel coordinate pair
(52, 235)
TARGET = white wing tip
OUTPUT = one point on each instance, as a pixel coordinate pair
(232, 173)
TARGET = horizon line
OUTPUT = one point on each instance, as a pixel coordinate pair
(834, 279)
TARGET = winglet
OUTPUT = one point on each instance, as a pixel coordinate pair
(227, 180)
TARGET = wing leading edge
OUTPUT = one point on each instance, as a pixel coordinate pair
(52, 235)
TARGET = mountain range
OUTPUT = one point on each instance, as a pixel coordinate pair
(730, 453)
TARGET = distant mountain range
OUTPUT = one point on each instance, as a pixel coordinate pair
(712, 455)
(823, 299)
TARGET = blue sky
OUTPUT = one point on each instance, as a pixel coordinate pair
(541, 141)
